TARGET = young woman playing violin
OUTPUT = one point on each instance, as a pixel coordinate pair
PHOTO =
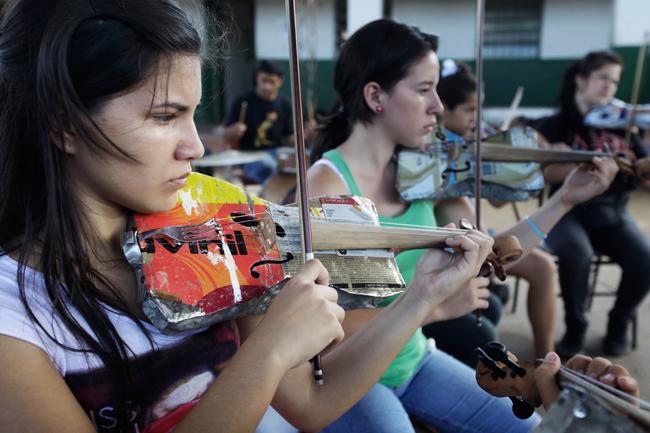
(385, 79)
(100, 124)
(602, 224)
(458, 92)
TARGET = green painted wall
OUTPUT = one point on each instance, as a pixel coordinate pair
(540, 78)
(322, 89)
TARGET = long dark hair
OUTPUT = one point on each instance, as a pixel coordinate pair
(455, 88)
(569, 113)
(382, 51)
(60, 60)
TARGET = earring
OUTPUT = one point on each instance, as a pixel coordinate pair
(379, 109)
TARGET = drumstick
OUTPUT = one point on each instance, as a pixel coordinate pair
(242, 117)
(242, 111)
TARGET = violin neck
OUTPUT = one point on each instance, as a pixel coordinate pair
(505, 153)
(338, 236)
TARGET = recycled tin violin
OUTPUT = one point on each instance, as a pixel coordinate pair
(221, 253)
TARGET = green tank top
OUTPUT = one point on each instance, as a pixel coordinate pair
(418, 213)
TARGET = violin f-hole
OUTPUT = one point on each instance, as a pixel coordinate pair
(244, 219)
(448, 170)
(251, 221)
(256, 274)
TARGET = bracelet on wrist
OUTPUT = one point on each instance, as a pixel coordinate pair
(535, 228)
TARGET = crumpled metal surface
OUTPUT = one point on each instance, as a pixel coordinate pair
(189, 283)
(439, 174)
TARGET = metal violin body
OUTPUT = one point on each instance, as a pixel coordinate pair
(221, 254)
(511, 167)
(447, 169)
(618, 115)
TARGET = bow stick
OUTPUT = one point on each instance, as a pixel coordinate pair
(514, 105)
(301, 178)
(636, 87)
(480, 23)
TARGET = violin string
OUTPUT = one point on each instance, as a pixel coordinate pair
(442, 230)
(267, 215)
(630, 398)
(262, 216)
(535, 154)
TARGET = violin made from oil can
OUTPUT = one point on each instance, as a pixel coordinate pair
(221, 253)
(510, 171)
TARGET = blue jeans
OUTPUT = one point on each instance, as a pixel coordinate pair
(443, 394)
(260, 171)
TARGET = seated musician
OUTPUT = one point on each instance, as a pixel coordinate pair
(603, 224)
(458, 92)
(101, 125)
(385, 79)
(261, 119)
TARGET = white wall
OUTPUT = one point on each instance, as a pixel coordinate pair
(631, 21)
(571, 28)
(271, 30)
(361, 12)
(454, 21)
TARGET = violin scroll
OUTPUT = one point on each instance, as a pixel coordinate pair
(501, 374)
(506, 250)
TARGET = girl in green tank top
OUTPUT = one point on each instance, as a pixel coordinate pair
(418, 213)
(385, 79)
(388, 97)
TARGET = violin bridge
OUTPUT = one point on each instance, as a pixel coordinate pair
(266, 234)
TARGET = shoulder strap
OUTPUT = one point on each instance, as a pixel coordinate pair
(343, 170)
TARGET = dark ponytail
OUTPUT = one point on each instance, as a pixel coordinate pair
(333, 131)
(569, 113)
(382, 51)
(456, 87)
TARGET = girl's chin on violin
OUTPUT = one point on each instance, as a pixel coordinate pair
(179, 182)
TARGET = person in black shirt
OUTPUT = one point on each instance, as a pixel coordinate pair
(261, 120)
(602, 224)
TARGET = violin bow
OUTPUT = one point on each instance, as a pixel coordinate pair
(301, 170)
(480, 25)
(636, 88)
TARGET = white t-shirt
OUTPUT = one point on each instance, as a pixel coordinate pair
(170, 377)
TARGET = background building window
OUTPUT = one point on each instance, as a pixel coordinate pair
(512, 28)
